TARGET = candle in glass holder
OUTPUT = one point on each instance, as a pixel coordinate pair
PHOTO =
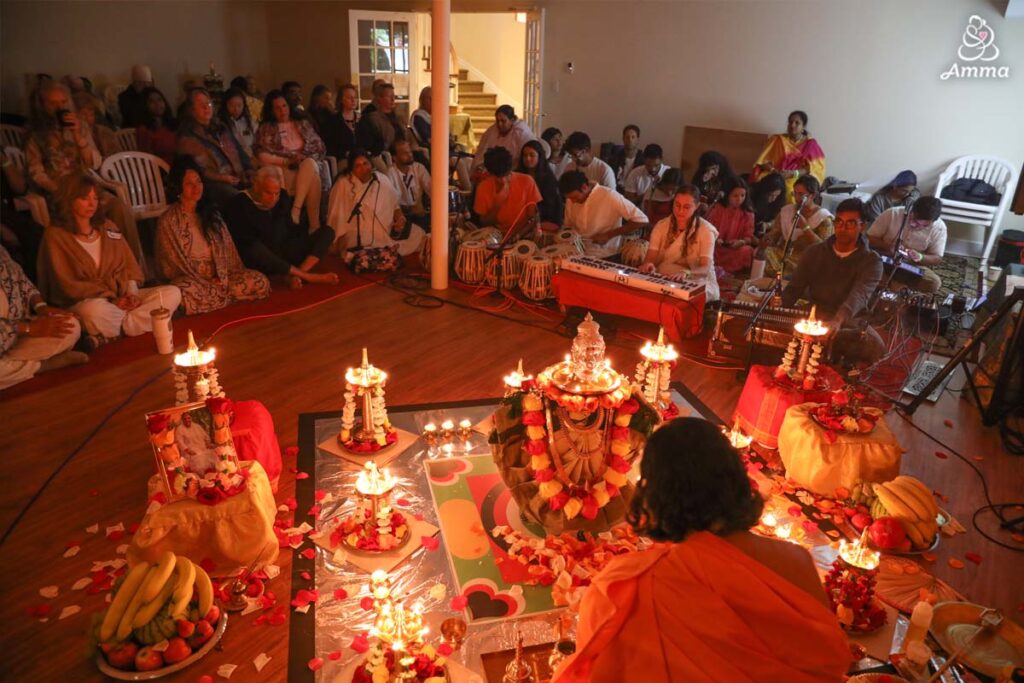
(784, 531)
(447, 430)
(430, 433)
(465, 429)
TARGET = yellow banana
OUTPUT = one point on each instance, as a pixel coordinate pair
(162, 575)
(923, 493)
(926, 531)
(125, 593)
(894, 504)
(149, 610)
(917, 538)
(908, 498)
(124, 627)
(183, 589)
(925, 502)
(205, 589)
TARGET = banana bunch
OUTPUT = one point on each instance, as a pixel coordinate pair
(861, 493)
(153, 597)
(912, 503)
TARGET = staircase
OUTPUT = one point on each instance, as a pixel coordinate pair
(478, 104)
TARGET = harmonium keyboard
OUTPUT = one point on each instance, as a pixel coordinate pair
(632, 277)
(774, 330)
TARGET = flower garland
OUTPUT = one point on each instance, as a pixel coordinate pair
(383, 433)
(554, 485)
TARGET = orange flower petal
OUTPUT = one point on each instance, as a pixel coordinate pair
(955, 563)
(930, 557)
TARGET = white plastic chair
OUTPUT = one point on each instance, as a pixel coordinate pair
(140, 174)
(34, 203)
(12, 136)
(126, 140)
(998, 173)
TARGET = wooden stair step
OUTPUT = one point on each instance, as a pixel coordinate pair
(477, 98)
(478, 109)
(463, 74)
(471, 86)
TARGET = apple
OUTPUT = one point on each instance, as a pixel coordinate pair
(177, 650)
(148, 659)
(122, 656)
(860, 520)
(185, 628)
(213, 616)
(203, 633)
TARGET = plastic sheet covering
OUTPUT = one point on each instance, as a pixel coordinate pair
(425, 577)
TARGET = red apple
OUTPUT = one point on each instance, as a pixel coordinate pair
(177, 650)
(213, 616)
(185, 628)
(203, 633)
(860, 520)
(148, 659)
(122, 656)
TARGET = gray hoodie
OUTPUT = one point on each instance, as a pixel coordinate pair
(839, 287)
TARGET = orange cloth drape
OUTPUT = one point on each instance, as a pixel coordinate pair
(702, 611)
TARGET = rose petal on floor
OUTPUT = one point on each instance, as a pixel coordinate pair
(429, 542)
(68, 611)
(955, 563)
(315, 664)
(459, 603)
(49, 591)
(973, 557)
(260, 661)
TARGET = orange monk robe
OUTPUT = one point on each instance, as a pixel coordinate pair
(702, 611)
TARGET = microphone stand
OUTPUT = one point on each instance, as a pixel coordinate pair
(357, 210)
(897, 259)
(498, 251)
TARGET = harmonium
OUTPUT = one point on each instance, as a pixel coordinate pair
(769, 337)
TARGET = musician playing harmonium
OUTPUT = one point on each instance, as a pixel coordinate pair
(600, 215)
(838, 275)
(923, 243)
(683, 245)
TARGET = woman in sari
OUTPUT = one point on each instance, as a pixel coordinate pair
(710, 601)
(194, 249)
(791, 155)
(813, 225)
(734, 218)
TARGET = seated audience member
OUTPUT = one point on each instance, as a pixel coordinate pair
(291, 144)
(323, 112)
(839, 275)
(627, 156)
(713, 170)
(253, 100)
(380, 222)
(34, 337)
(813, 225)
(505, 199)
(897, 192)
(293, 94)
(559, 158)
(924, 240)
(459, 162)
(379, 126)
(132, 100)
(420, 119)
(194, 250)
(85, 265)
(791, 154)
(507, 131)
(597, 213)
(583, 160)
(93, 114)
(156, 134)
(235, 116)
(59, 143)
(645, 176)
(552, 206)
(658, 203)
(754, 604)
(225, 165)
(20, 234)
(769, 196)
(733, 217)
(412, 182)
(267, 239)
(683, 245)
(348, 112)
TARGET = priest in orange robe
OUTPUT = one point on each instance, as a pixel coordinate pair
(711, 602)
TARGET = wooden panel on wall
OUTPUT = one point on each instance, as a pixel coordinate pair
(739, 147)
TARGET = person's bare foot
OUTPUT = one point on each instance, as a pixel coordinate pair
(63, 360)
(295, 282)
(322, 278)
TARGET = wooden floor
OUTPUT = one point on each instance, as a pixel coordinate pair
(294, 364)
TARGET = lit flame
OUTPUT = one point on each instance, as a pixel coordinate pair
(373, 482)
(365, 375)
(193, 357)
(858, 555)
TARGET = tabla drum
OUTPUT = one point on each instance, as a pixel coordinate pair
(511, 268)
(425, 253)
(535, 282)
(524, 249)
(634, 252)
(469, 263)
(557, 252)
(484, 235)
(571, 238)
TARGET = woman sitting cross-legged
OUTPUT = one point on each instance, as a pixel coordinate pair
(291, 143)
(813, 225)
(194, 249)
(733, 216)
(85, 265)
(683, 245)
(711, 601)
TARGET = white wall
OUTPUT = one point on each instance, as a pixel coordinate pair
(866, 72)
(101, 40)
(495, 45)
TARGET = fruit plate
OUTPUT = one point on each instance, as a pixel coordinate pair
(122, 675)
(942, 519)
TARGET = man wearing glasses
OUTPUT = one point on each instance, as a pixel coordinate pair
(838, 275)
(923, 243)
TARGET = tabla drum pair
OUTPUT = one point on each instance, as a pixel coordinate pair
(535, 281)
(487, 236)
(570, 238)
(511, 269)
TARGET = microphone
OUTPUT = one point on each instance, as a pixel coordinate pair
(803, 202)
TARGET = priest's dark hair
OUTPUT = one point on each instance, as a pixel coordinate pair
(692, 479)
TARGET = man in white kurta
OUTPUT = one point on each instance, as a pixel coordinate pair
(600, 215)
(923, 240)
(380, 220)
(578, 146)
(646, 175)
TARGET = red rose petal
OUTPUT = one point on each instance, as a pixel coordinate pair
(291, 451)
(334, 656)
(366, 603)
(314, 511)
(319, 495)
(207, 564)
(444, 649)
(132, 528)
(941, 455)
(205, 678)
(294, 538)
(308, 553)
(261, 619)
(403, 503)
(94, 492)
(459, 603)
(71, 544)
(340, 594)
(116, 535)
(277, 618)
(418, 517)
(795, 511)
(973, 557)
(948, 423)
(429, 542)
(302, 475)
(291, 503)
(306, 576)
(360, 643)
(315, 664)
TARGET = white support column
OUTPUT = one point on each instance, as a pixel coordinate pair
(440, 40)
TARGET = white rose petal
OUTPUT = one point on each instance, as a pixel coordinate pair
(260, 661)
(122, 549)
(272, 571)
(72, 551)
(81, 584)
(49, 591)
(92, 529)
(303, 609)
(225, 670)
(68, 611)
(118, 527)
